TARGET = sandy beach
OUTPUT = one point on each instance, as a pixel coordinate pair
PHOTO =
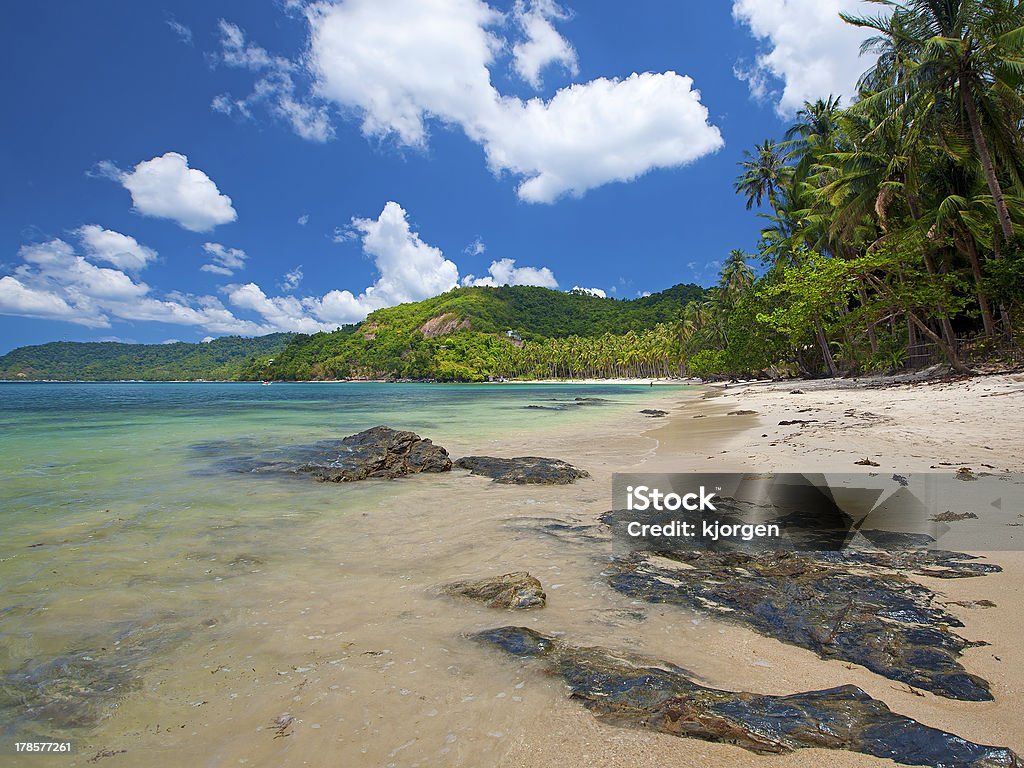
(938, 425)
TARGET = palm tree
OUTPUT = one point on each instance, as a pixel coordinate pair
(764, 173)
(735, 279)
(954, 61)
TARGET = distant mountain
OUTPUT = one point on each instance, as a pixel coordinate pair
(229, 357)
(462, 334)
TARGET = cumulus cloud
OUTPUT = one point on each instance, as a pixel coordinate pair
(402, 65)
(284, 313)
(166, 188)
(811, 53)
(590, 291)
(275, 87)
(303, 220)
(602, 131)
(123, 251)
(291, 279)
(16, 298)
(476, 248)
(543, 45)
(505, 272)
(224, 261)
(410, 269)
(54, 281)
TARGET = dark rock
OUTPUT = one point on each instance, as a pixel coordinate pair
(513, 590)
(654, 413)
(866, 462)
(662, 697)
(524, 470)
(794, 422)
(796, 392)
(827, 602)
(742, 413)
(380, 452)
(953, 517)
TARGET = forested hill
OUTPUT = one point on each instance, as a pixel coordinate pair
(534, 313)
(462, 335)
(229, 357)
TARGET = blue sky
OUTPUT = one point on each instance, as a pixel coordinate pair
(194, 169)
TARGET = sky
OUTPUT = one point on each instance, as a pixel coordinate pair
(187, 170)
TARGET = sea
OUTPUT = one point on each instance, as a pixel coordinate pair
(161, 603)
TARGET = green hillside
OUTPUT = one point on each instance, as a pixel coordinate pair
(461, 335)
(228, 357)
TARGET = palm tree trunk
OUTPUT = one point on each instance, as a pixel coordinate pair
(983, 302)
(826, 353)
(986, 158)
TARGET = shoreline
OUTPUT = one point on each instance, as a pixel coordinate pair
(344, 639)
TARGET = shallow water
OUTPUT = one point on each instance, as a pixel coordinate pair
(153, 600)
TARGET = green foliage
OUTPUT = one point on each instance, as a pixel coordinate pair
(709, 362)
(462, 336)
(227, 358)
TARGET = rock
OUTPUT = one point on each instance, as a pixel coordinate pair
(517, 590)
(742, 413)
(661, 696)
(794, 422)
(380, 452)
(524, 470)
(953, 517)
(796, 392)
(654, 413)
(866, 462)
(853, 606)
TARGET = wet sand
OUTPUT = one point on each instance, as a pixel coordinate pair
(331, 645)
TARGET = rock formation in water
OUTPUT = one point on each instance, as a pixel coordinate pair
(517, 590)
(854, 606)
(659, 696)
(524, 470)
(380, 452)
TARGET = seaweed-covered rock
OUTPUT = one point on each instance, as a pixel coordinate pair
(524, 470)
(513, 590)
(380, 452)
(851, 606)
(654, 413)
(662, 697)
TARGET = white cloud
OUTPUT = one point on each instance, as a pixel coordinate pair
(225, 261)
(166, 188)
(476, 248)
(284, 313)
(206, 339)
(122, 251)
(590, 291)
(56, 263)
(401, 64)
(291, 279)
(303, 220)
(603, 131)
(55, 282)
(275, 87)
(410, 269)
(16, 298)
(184, 33)
(543, 45)
(505, 272)
(811, 51)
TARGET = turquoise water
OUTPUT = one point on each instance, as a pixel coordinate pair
(128, 540)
